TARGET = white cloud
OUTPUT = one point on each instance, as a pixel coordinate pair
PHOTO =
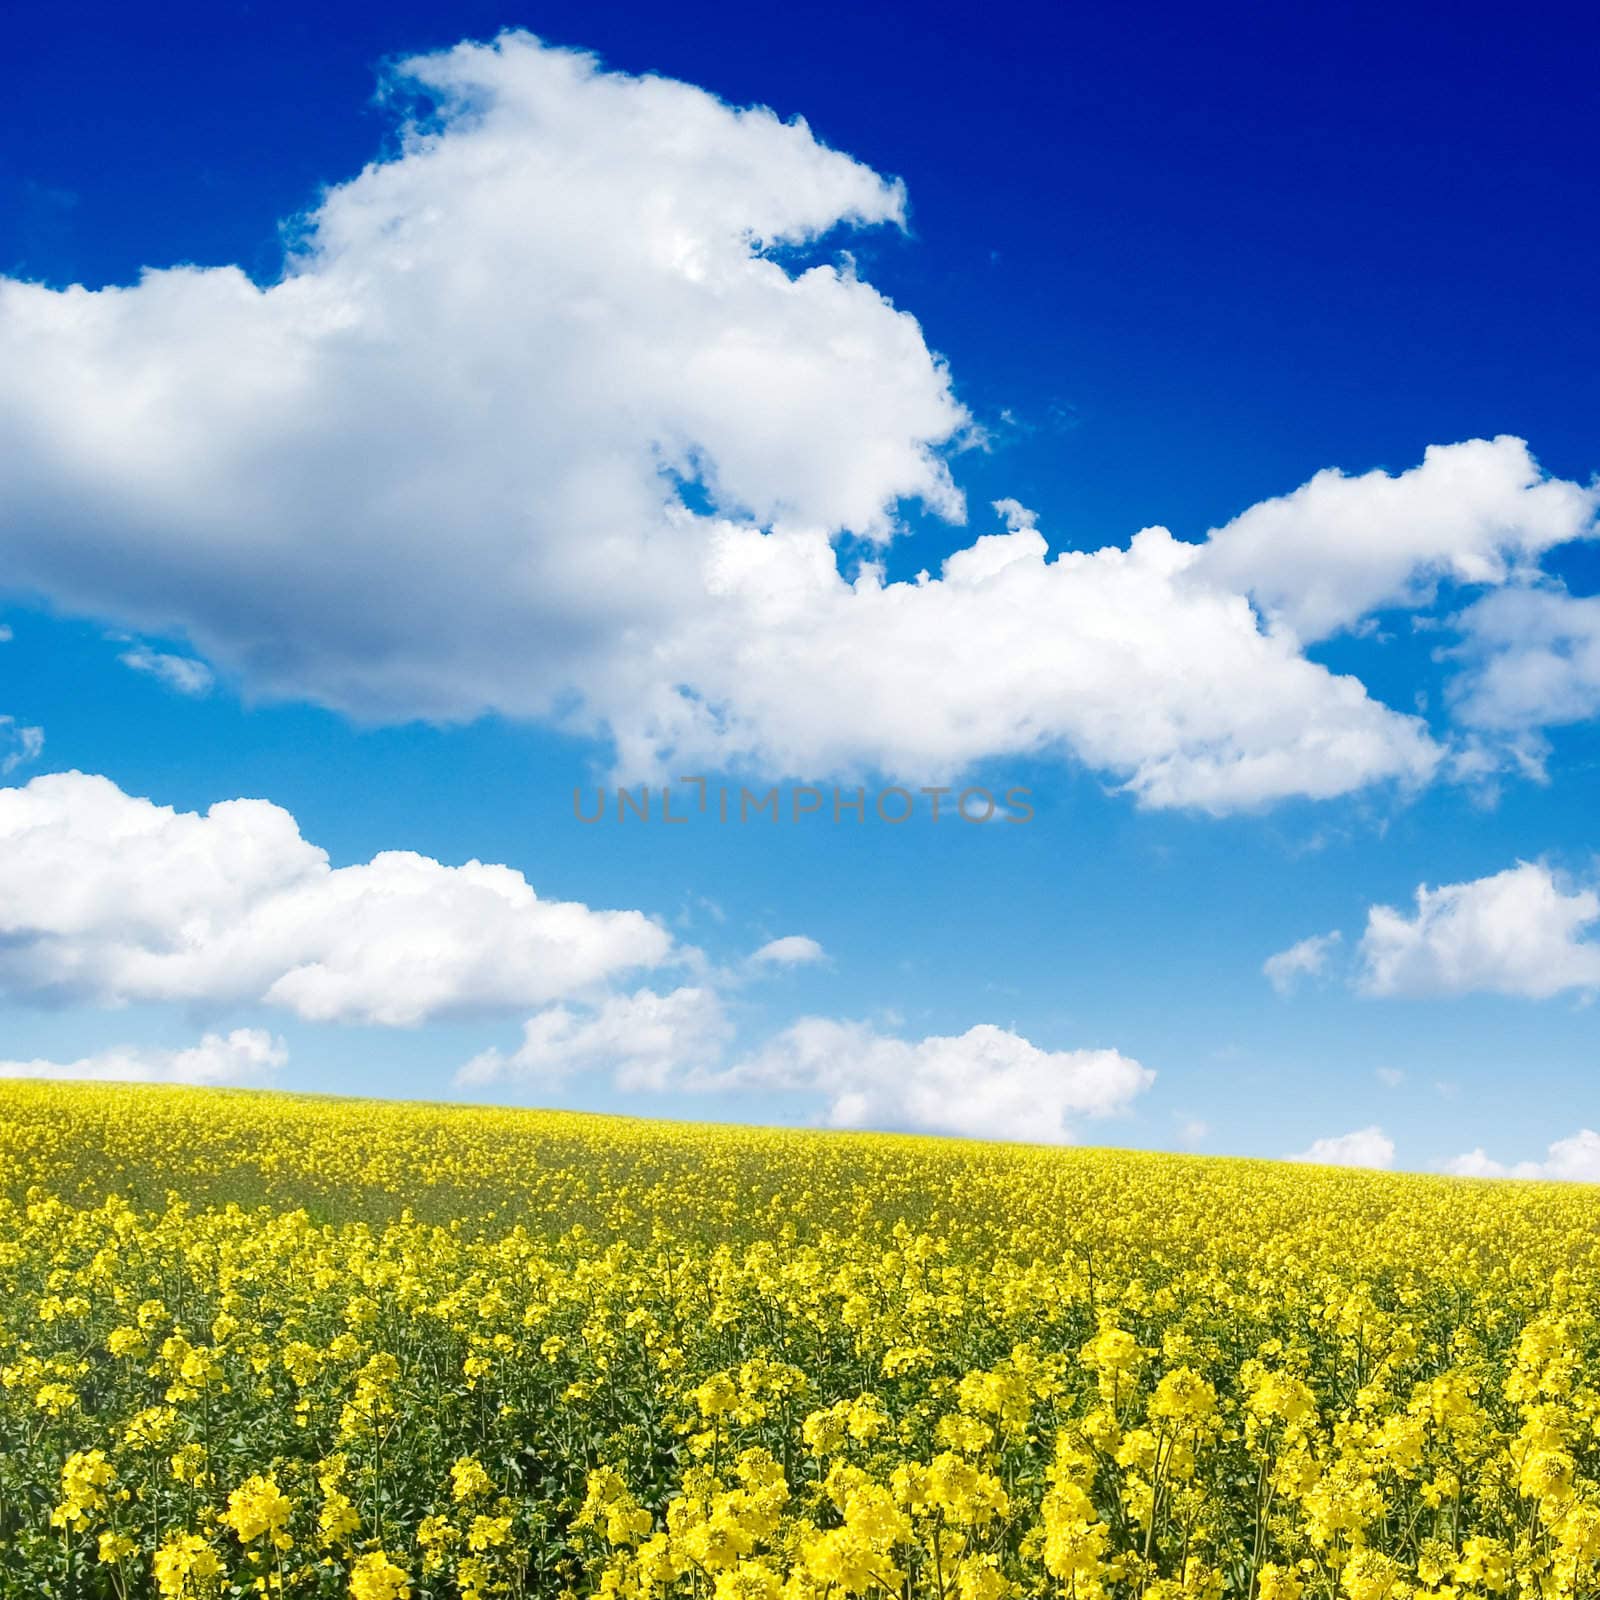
(1307, 959)
(473, 395)
(1575, 1159)
(1477, 1163)
(6, 635)
(793, 950)
(985, 1083)
(184, 674)
(242, 1056)
(1016, 516)
(1366, 1147)
(107, 899)
(1532, 660)
(1390, 1077)
(1518, 932)
(492, 363)
(18, 744)
(1339, 548)
(1118, 656)
(642, 1040)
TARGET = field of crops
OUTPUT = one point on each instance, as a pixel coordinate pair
(253, 1344)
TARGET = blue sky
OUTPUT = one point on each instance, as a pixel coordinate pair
(1173, 267)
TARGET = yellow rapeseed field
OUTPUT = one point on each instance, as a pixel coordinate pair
(253, 1344)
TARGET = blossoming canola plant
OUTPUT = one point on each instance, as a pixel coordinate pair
(257, 1344)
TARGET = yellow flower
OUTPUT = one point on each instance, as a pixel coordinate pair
(256, 1507)
(488, 1533)
(186, 1567)
(127, 1342)
(115, 1547)
(1277, 1583)
(338, 1518)
(781, 1365)
(85, 1479)
(55, 1399)
(749, 1580)
(468, 1479)
(1369, 1575)
(716, 1395)
(1183, 1396)
(376, 1577)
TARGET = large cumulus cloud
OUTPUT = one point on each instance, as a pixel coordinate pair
(562, 410)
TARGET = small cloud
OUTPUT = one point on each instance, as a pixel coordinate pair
(1366, 1147)
(1572, 1160)
(987, 1083)
(185, 674)
(18, 745)
(1307, 959)
(642, 1039)
(1390, 1077)
(1194, 1130)
(1015, 515)
(245, 1055)
(1525, 932)
(1477, 1164)
(793, 950)
(697, 905)
(6, 635)
(1445, 1089)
